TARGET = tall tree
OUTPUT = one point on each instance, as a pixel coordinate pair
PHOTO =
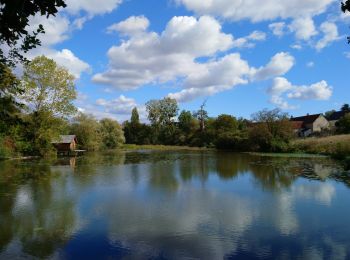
(9, 106)
(111, 133)
(162, 112)
(14, 19)
(201, 115)
(48, 87)
(135, 118)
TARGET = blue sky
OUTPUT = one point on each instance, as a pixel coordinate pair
(240, 58)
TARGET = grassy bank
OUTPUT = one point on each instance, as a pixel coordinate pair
(162, 147)
(336, 146)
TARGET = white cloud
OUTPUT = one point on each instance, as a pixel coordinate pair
(281, 89)
(303, 27)
(151, 57)
(318, 91)
(255, 11)
(56, 29)
(279, 65)
(330, 34)
(67, 59)
(91, 7)
(347, 54)
(214, 77)
(278, 29)
(132, 25)
(249, 41)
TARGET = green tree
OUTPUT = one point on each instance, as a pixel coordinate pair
(135, 118)
(271, 130)
(87, 130)
(343, 125)
(345, 108)
(48, 87)
(202, 116)
(14, 21)
(9, 107)
(161, 113)
(185, 121)
(112, 134)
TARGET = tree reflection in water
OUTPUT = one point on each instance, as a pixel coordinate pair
(199, 204)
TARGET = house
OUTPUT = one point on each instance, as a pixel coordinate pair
(335, 116)
(306, 125)
(65, 143)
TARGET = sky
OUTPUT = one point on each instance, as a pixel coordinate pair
(238, 56)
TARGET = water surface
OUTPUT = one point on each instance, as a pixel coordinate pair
(174, 205)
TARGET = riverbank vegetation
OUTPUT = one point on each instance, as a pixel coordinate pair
(39, 107)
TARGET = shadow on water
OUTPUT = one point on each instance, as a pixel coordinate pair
(171, 204)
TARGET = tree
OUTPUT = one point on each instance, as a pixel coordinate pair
(345, 7)
(202, 116)
(9, 107)
(162, 112)
(48, 87)
(345, 108)
(135, 119)
(271, 130)
(343, 125)
(87, 130)
(112, 134)
(14, 19)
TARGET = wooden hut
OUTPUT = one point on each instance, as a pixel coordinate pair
(65, 144)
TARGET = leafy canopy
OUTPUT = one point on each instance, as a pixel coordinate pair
(48, 86)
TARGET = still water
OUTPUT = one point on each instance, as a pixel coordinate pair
(174, 205)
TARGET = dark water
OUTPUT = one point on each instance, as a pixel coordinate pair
(174, 205)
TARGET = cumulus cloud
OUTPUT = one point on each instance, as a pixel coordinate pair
(254, 11)
(132, 25)
(279, 64)
(118, 109)
(91, 7)
(304, 28)
(282, 89)
(67, 59)
(152, 57)
(330, 34)
(172, 55)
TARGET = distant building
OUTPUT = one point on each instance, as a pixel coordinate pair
(65, 143)
(306, 125)
(335, 117)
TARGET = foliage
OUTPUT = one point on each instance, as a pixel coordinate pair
(162, 112)
(135, 118)
(87, 130)
(111, 133)
(9, 107)
(14, 21)
(343, 125)
(345, 7)
(271, 131)
(48, 86)
(345, 108)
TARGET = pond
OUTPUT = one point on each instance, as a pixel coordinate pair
(174, 205)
